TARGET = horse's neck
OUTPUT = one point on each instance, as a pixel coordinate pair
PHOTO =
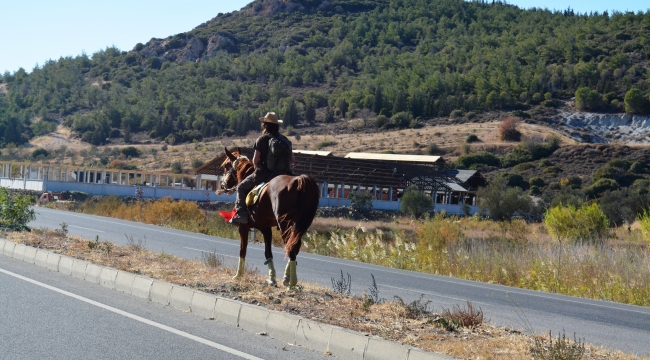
(244, 171)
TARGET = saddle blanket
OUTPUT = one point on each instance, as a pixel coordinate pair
(254, 195)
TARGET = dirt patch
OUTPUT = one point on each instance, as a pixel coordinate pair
(396, 321)
(61, 137)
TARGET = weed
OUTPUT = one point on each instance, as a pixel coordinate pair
(94, 244)
(64, 229)
(108, 247)
(466, 317)
(448, 324)
(561, 349)
(342, 286)
(211, 259)
(416, 309)
(374, 292)
(140, 245)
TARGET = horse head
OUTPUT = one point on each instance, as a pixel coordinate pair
(236, 168)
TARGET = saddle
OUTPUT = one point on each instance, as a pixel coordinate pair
(254, 195)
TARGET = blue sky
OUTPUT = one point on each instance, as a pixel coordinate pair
(33, 31)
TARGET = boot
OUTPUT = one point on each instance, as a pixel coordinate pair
(272, 281)
(240, 269)
(241, 217)
(287, 277)
(294, 278)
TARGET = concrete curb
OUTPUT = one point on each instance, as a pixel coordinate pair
(285, 327)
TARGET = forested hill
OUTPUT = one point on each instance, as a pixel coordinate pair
(400, 58)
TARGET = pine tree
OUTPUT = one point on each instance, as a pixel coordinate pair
(400, 102)
(291, 113)
(378, 103)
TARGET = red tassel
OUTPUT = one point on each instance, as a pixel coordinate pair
(228, 215)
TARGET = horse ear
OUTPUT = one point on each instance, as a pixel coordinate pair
(230, 155)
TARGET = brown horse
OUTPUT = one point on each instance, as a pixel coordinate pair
(288, 203)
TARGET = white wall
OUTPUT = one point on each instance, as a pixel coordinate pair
(185, 194)
(22, 184)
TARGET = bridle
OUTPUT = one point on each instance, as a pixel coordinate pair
(231, 173)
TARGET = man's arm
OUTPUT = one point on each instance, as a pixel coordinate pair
(293, 159)
(256, 158)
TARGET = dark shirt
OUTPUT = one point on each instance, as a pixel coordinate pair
(262, 145)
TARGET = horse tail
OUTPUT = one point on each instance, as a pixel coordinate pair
(305, 211)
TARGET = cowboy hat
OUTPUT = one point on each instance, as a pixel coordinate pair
(271, 117)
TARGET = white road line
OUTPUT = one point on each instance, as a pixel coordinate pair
(207, 251)
(405, 273)
(137, 318)
(79, 227)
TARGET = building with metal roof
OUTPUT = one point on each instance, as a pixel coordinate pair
(385, 177)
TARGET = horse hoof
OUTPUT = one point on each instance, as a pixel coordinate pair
(272, 282)
(285, 281)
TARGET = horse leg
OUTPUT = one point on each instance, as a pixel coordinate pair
(290, 276)
(243, 244)
(268, 238)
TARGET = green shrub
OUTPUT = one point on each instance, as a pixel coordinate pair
(623, 206)
(524, 166)
(534, 190)
(599, 187)
(573, 181)
(587, 99)
(513, 179)
(637, 167)
(402, 119)
(636, 102)
(483, 158)
(360, 200)
(530, 150)
(552, 170)
(433, 149)
(177, 168)
(585, 224)
(130, 151)
(415, 202)
(381, 121)
(471, 138)
(456, 114)
(40, 152)
(324, 144)
(197, 163)
(500, 202)
(545, 163)
(15, 210)
(536, 181)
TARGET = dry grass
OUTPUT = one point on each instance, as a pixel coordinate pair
(387, 319)
(449, 138)
(514, 254)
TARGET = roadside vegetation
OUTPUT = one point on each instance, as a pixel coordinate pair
(460, 331)
(575, 251)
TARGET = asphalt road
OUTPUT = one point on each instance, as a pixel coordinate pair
(47, 315)
(613, 325)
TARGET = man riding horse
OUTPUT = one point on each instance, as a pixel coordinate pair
(273, 156)
(288, 202)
